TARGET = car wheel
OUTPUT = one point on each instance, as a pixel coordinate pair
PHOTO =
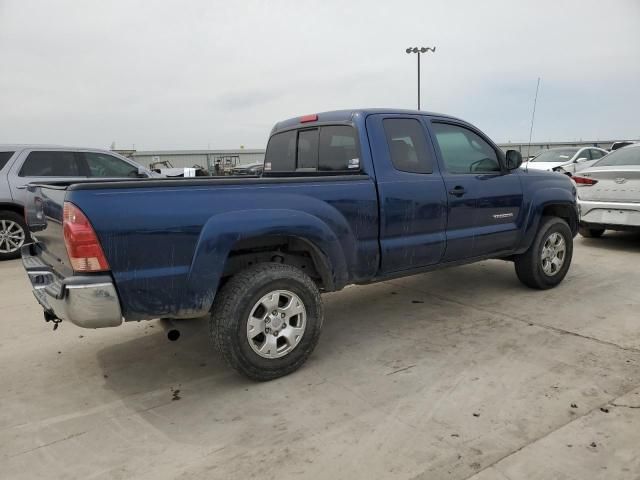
(13, 234)
(266, 320)
(591, 232)
(547, 261)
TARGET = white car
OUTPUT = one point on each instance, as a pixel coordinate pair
(609, 193)
(567, 160)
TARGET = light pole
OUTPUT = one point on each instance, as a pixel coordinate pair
(420, 51)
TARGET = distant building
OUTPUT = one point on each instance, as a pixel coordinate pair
(188, 158)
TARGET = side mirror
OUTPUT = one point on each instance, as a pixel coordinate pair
(581, 159)
(514, 159)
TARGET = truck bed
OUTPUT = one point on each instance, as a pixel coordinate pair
(166, 240)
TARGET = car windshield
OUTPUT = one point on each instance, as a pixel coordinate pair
(556, 155)
(620, 157)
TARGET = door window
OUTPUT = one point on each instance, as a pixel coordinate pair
(595, 154)
(584, 155)
(464, 151)
(407, 145)
(104, 165)
(4, 158)
(50, 164)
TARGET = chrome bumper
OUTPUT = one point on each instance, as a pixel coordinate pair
(609, 213)
(87, 301)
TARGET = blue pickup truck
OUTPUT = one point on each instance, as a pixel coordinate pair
(346, 197)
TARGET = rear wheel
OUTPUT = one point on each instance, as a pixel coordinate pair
(266, 320)
(547, 261)
(591, 232)
(13, 234)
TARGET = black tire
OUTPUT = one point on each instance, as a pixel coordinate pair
(16, 219)
(529, 265)
(590, 232)
(233, 306)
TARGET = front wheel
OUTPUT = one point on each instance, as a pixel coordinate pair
(266, 320)
(547, 261)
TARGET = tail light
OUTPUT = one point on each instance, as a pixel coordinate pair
(309, 118)
(584, 181)
(83, 247)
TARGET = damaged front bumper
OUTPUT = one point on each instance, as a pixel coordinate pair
(88, 301)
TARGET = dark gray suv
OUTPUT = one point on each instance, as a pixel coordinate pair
(23, 164)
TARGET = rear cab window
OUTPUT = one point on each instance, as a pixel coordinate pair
(324, 149)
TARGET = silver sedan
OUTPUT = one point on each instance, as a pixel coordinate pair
(609, 193)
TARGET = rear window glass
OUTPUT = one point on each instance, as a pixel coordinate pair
(281, 152)
(331, 148)
(50, 164)
(4, 158)
(620, 157)
(308, 149)
(338, 148)
(407, 145)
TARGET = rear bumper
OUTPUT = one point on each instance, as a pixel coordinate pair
(87, 301)
(609, 214)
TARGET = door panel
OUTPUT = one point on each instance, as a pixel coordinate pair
(484, 200)
(410, 191)
(498, 213)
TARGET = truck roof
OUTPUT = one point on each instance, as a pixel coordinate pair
(348, 115)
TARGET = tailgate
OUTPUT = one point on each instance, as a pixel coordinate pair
(44, 210)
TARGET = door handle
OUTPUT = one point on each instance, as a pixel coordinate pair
(21, 187)
(457, 191)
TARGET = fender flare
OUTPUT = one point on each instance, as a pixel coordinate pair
(221, 232)
(542, 199)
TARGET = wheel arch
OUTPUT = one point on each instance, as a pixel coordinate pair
(557, 202)
(229, 241)
(12, 207)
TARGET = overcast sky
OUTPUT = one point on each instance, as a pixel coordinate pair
(198, 73)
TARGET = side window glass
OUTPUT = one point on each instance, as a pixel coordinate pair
(308, 149)
(595, 154)
(407, 145)
(281, 152)
(338, 149)
(4, 158)
(50, 164)
(463, 151)
(584, 155)
(103, 165)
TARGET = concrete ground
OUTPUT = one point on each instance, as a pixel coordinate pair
(456, 374)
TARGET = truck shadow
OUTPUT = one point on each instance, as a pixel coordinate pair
(150, 361)
(149, 373)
